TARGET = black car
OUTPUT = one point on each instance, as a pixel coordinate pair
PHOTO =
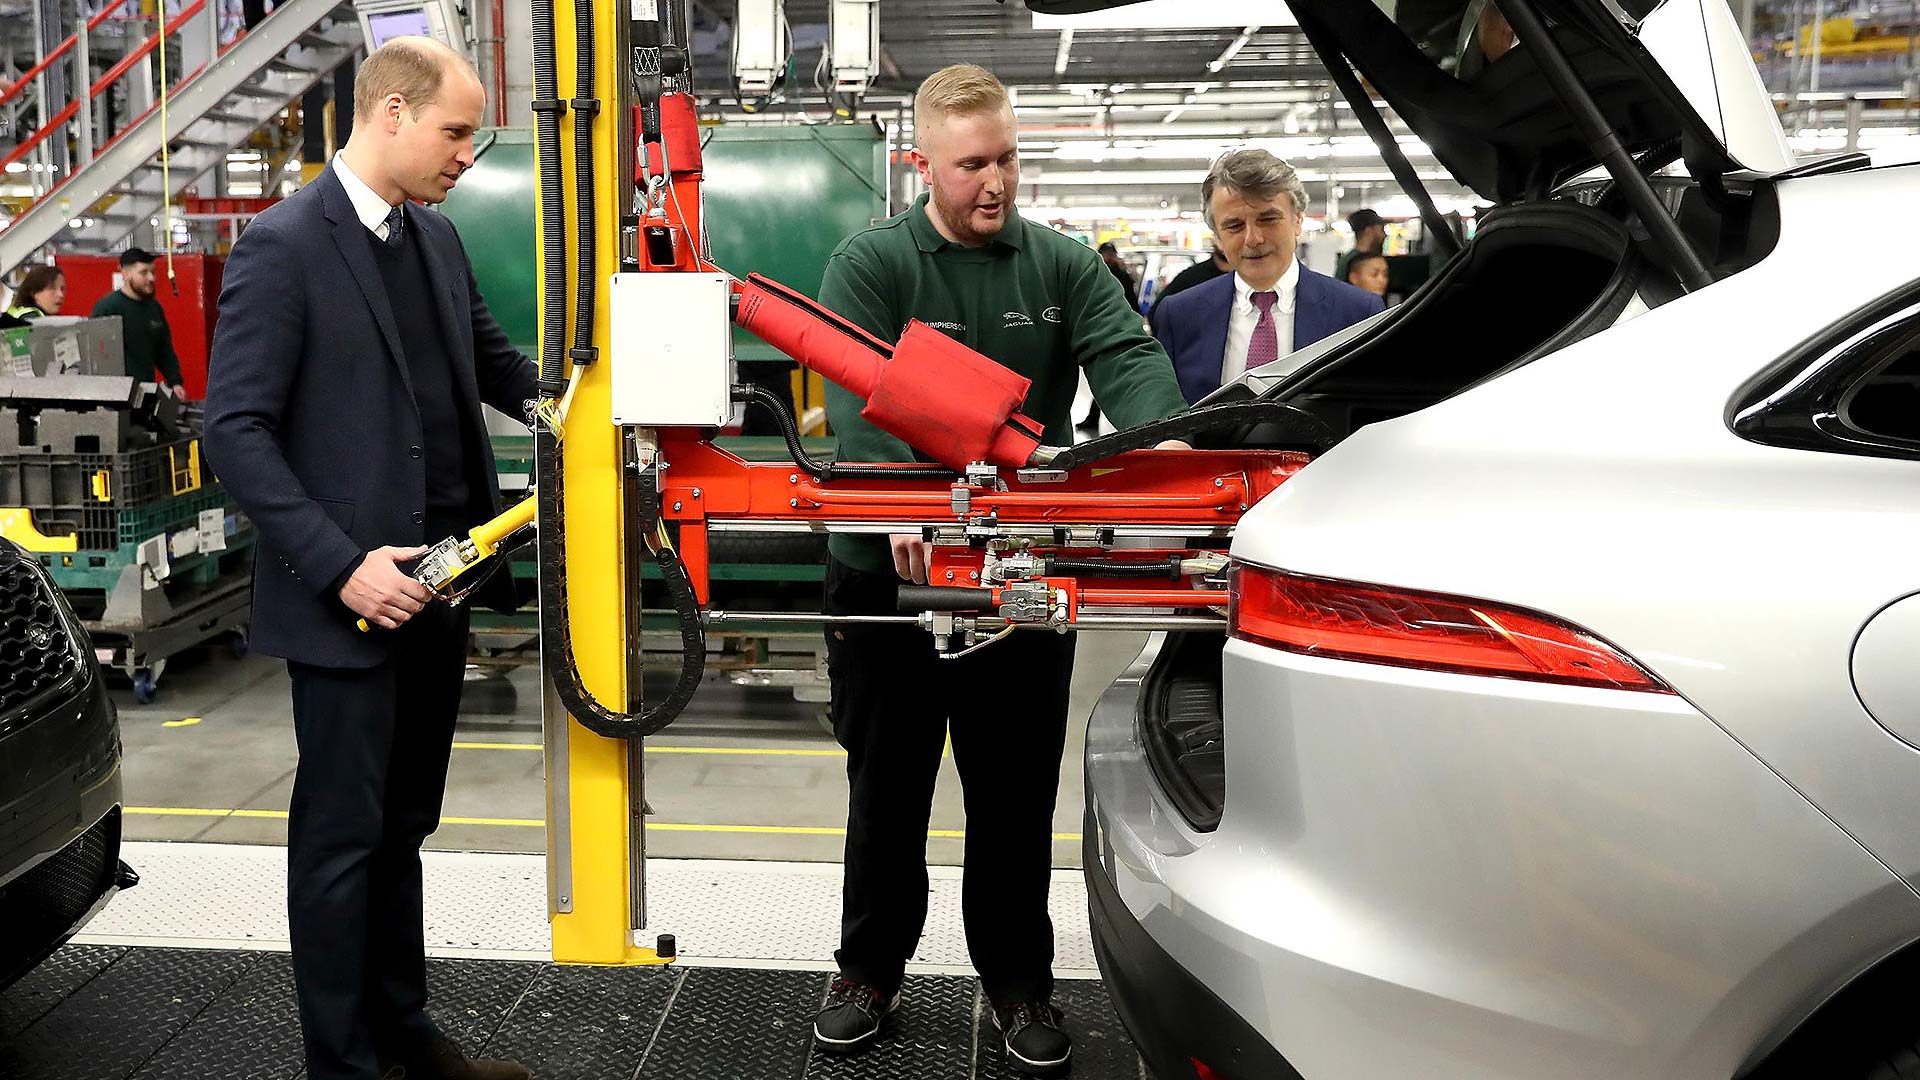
(59, 771)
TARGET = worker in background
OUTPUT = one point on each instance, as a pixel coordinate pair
(343, 415)
(42, 291)
(1111, 256)
(962, 260)
(145, 338)
(1270, 305)
(1369, 238)
(1089, 425)
(1368, 270)
(1199, 273)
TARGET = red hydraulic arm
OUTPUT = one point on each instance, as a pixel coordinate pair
(1014, 542)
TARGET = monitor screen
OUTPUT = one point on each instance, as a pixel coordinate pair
(387, 25)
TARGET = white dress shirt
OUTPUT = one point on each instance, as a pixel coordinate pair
(371, 208)
(1240, 322)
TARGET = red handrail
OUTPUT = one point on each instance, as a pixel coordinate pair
(58, 51)
(59, 119)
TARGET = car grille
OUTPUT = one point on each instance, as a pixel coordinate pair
(39, 907)
(36, 652)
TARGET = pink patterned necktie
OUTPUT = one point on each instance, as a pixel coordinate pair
(1265, 346)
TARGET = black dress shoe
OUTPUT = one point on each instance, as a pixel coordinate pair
(443, 1060)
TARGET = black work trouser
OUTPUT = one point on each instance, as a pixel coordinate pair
(894, 704)
(374, 744)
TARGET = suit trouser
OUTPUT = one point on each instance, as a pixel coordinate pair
(894, 705)
(374, 744)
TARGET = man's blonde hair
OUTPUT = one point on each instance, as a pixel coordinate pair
(962, 89)
(413, 67)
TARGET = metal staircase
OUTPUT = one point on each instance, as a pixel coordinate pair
(209, 112)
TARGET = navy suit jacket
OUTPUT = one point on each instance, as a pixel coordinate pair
(1192, 323)
(311, 421)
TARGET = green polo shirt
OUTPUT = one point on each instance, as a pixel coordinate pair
(1038, 302)
(144, 336)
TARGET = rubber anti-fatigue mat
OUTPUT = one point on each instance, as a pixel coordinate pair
(469, 1000)
(930, 1037)
(728, 1023)
(109, 1027)
(584, 1023)
(36, 993)
(1101, 1049)
(251, 1031)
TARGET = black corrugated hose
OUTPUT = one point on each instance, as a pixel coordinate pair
(823, 470)
(556, 644)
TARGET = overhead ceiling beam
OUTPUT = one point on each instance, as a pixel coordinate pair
(1214, 67)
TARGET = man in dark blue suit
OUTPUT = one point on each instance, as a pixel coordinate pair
(1270, 305)
(343, 415)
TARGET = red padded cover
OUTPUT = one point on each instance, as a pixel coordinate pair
(680, 131)
(930, 391)
(820, 340)
(949, 401)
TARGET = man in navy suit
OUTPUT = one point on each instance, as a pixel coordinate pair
(1270, 305)
(343, 415)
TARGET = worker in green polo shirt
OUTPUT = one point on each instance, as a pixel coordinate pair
(962, 260)
(144, 334)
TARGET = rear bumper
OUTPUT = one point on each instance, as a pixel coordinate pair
(1171, 1015)
(1458, 878)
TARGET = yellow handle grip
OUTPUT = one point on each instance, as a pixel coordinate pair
(486, 538)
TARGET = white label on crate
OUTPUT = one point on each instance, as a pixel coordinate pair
(213, 530)
(646, 10)
(183, 543)
(23, 366)
(153, 556)
(66, 353)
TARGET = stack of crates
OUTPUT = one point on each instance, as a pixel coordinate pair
(155, 512)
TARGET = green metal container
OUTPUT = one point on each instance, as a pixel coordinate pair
(496, 207)
(779, 199)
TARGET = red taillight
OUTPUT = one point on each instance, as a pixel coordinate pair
(1349, 621)
(1201, 1070)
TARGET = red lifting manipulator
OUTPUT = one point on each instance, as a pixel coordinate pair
(1106, 534)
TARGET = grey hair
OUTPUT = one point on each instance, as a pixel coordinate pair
(1252, 172)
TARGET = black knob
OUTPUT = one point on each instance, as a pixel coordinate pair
(665, 948)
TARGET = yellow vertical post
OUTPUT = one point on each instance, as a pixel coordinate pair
(597, 929)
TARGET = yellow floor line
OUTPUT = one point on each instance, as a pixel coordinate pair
(742, 750)
(536, 823)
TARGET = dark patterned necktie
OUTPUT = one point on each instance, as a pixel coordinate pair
(1265, 346)
(396, 221)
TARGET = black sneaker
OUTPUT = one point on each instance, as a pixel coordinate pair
(852, 1016)
(1034, 1042)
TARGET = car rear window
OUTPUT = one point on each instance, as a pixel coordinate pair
(1463, 37)
(1886, 402)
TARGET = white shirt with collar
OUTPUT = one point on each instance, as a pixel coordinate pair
(371, 208)
(1241, 320)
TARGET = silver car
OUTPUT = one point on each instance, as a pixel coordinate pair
(1569, 723)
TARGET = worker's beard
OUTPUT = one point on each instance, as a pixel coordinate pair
(959, 220)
